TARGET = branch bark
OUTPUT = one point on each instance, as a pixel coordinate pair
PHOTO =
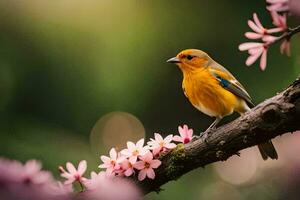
(273, 117)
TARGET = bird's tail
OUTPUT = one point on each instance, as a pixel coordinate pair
(267, 150)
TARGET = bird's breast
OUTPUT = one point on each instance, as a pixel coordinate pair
(207, 95)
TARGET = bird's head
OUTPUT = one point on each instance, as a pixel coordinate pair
(191, 59)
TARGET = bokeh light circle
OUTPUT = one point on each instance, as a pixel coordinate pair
(114, 130)
(238, 170)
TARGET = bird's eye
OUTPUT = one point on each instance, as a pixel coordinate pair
(189, 57)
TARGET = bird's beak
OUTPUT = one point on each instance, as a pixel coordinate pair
(173, 60)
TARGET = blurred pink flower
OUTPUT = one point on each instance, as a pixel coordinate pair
(259, 31)
(135, 150)
(101, 186)
(295, 8)
(29, 182)
(111, 163)
(146, 166)
(94, 174)
(72, 174)
(32, 173)
(186, 134)
(278, 5)
(127, 166)
(279, 21)
(256, 50)
(159, 143)
(285, 47)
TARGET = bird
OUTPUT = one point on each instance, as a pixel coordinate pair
(214, 91)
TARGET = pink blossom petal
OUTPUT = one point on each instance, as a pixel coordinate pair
(128, 172)
(254, 55)
(170, 146)
(66, 175)
(269, 38)
(113, 154)
(168, 139)
(252, 58)
(150, 173)
(32, 166)
(105, 159)
(255, 28)
(130, 146)
(104, 165)
(185, 128)
(82, 167)
(181, 131)
(109, 171)
(256, 50)
(263, 60)
(132, 160)
(143, 151)
(190, 133)
(156, 151)
(71, 168)
(155, 164)
(276, 1)
(249, 45)
(125, 152)
(147, 157)
(142, 174)
(285, 48)
(140, 143)
(257, 21)
(120, 159)
(252, 35)
(93, 175)
(158, 137)
(275, 30)
(139, 165)
(69, 181)
(177, 138)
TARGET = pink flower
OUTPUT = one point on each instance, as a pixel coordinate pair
(255, 50)
(146, 165)
(295, 8)
(278, 5)
(135, 150)
(28, 181)
(101, 186)
(160, 144)
(186, 134)
(285, 47)
(111, 163)
(32, 173)
(127, 166)
(279, 21)
(259, 31)
(72, 174)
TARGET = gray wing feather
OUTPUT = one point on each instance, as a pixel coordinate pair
(232, 85)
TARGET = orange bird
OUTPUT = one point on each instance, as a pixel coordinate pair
(213, 90)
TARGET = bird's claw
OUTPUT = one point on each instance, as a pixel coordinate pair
(204, 136)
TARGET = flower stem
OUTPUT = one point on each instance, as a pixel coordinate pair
(81, 185)
(288, 34)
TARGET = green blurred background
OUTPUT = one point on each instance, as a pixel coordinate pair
(78, 77)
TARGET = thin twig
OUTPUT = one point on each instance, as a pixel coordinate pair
(287, 35)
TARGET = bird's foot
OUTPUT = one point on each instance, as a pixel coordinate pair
(204, 135)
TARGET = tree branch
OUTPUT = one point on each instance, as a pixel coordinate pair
(273, 117)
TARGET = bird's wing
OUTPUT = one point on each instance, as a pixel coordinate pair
(229, 82)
